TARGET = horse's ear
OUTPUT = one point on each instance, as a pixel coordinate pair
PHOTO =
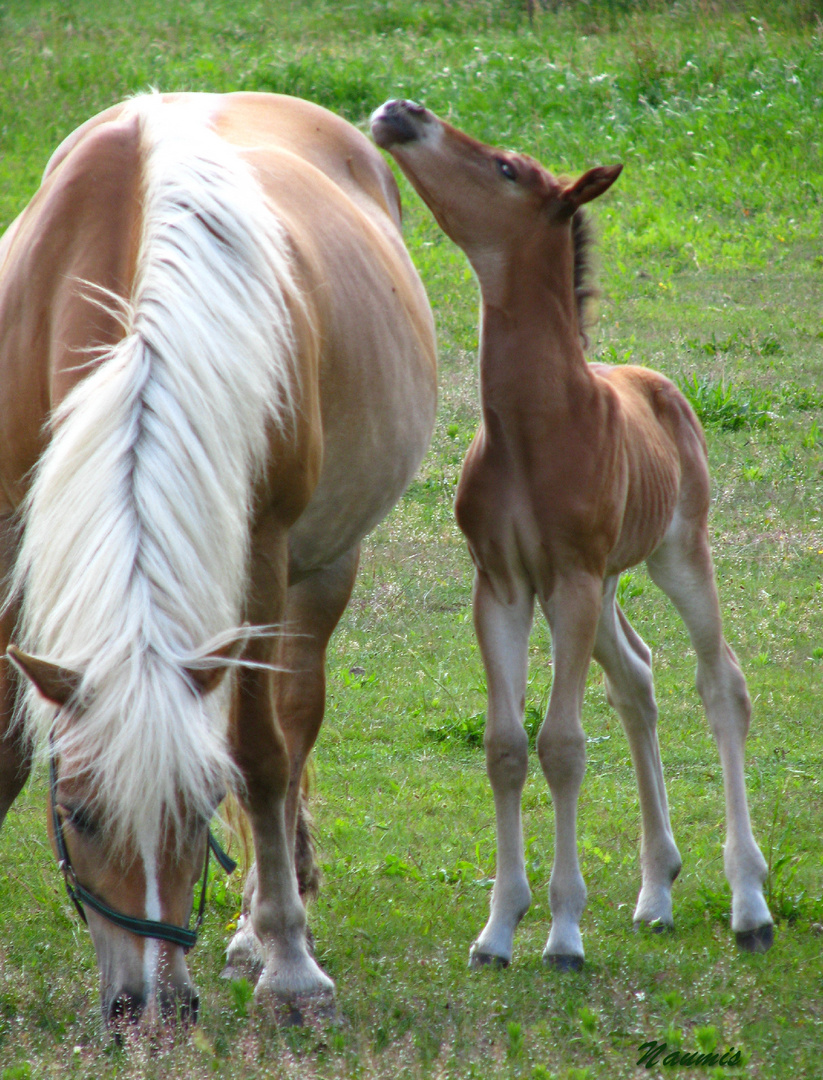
(217, 664)
(56, 684)
(587, 187)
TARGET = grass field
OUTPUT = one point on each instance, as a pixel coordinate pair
(712, 271)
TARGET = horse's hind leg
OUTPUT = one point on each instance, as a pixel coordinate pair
(626, 662)
(313, 609)
(682, 567)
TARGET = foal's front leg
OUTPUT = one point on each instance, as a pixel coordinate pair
(573, 611)
(502, 624)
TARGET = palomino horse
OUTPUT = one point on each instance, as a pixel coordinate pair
(577, 472)
(218, 373)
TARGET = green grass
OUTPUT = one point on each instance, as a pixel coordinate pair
(711, 272)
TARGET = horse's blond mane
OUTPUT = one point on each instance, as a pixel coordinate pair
(136, 527)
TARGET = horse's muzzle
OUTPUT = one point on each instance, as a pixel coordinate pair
(126, 1009)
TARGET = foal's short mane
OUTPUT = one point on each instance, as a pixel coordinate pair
(585, 285)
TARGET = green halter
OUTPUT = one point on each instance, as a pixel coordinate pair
(79, 895)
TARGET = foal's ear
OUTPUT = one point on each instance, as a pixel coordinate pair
(217, 664)
(56, 684)
(587, 187)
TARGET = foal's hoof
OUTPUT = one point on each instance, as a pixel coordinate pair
(756, 941)
(563, 963)
(479, 960)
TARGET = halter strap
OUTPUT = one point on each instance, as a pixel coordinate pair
(150, 928)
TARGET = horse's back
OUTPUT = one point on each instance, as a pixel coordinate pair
(339, 202)
(368, 342)
(318, 137)
(76, 237)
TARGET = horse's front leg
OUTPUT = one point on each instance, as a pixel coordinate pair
(573, 611)
(313, 609)
(502, 620)
(262, 757)
(277, 912)
(15, 750)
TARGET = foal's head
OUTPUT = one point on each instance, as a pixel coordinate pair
(137, 874)
(492, 203)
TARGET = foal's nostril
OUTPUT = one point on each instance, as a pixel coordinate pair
(125, 1009)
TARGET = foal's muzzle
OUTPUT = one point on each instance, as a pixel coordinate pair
(399, 121)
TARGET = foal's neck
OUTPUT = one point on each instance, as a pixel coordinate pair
(531, 356)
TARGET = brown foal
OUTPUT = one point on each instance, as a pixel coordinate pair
(577, 472)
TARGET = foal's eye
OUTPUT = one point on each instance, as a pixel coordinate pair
(507, 169)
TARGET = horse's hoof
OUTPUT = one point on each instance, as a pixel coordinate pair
(250, 970)
(244, 955)
(656, 926)
(563, 963)
(302, 1010)
(479, 960)
(756, 941)
(301, 981)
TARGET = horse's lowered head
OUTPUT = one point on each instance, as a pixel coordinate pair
(132, 881)
(492, 203)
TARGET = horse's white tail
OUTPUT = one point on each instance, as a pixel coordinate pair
(137, 524)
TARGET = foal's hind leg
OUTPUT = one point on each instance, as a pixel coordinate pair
(502, 627)
(682, 567)
(626, 662)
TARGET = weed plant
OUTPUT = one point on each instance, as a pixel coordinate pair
(711, 271)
